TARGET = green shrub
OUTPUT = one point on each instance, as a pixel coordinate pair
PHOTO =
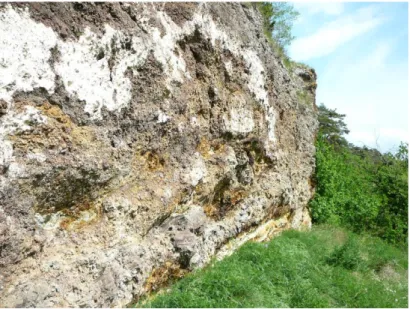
(278, 18)
(347, 255)
(344, 194)
(361, 191)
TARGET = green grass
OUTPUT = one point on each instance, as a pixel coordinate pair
(325, 267)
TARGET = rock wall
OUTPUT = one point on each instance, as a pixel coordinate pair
(137, 141)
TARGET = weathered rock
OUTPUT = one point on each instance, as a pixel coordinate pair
(141, 137)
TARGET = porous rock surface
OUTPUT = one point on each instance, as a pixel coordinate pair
(138, 136)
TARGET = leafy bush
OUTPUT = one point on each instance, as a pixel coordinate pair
(278, 18)
(347, 255)
(344, 194)
(360, 188)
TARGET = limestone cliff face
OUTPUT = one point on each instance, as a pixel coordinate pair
(140, 140)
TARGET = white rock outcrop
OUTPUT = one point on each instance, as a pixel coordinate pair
(136, 137)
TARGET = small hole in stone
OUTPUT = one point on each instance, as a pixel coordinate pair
(101, 54)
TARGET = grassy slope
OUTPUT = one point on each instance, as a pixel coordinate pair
(326, 267)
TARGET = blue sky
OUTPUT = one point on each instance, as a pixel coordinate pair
(360, 53)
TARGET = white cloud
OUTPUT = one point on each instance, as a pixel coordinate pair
(365, 75)
(394, 133)
(327, 8)
(377, 59)
(362, 138)
(334, 34)
(309, 9)
(384, 139)
(372, 92)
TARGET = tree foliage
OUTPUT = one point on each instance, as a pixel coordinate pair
(359, 187)
(283, 18)
(332, 126)
(278, 21)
